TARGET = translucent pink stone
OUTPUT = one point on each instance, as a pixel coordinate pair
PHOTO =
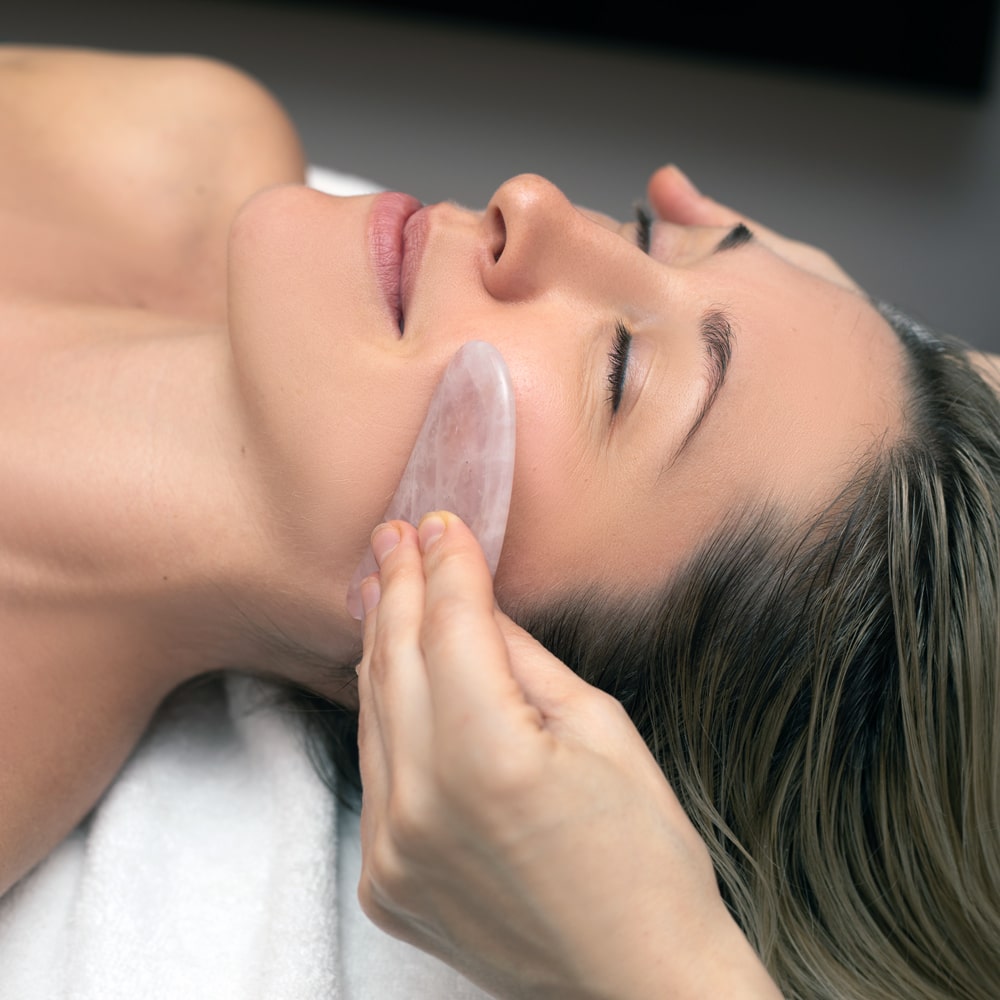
(463, 459)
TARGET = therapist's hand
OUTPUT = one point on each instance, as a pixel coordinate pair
(674, 198)
(514, 823)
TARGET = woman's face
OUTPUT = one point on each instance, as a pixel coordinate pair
(630, 444)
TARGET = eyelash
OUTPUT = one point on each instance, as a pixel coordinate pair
(622, 345)
(643, 227)
(618, 365)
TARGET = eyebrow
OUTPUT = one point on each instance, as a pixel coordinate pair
(717, 337)
(738, 236)
(716, 332)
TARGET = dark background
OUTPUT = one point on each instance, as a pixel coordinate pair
(936, 46)
(871, 130)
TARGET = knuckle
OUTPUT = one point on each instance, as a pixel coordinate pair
(497, 783)
(368, 897)
(440, 624)
(451, 565)
(378, 896)
(400, 568)
(389, 648)
(383, 872)
(392, 650)
(409, 819)
(610, 708)
(385, 882)
(449, 635)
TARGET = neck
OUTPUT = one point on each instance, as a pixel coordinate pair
(132, 532)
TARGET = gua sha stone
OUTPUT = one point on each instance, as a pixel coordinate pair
(463, 459)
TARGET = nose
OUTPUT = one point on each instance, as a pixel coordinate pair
(529, 227)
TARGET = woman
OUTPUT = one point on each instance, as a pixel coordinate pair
(213, 377)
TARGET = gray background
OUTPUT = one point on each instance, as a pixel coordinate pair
(901, 185)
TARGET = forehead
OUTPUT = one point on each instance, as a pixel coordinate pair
(815, 387)
(817, 373)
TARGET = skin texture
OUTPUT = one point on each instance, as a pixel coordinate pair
(206, 403)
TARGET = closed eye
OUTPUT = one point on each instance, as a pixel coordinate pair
(618, 358)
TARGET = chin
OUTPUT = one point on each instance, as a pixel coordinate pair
(329, 404)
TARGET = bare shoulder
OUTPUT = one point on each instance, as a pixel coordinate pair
(70, 93)
(120, 131)
(126, 170)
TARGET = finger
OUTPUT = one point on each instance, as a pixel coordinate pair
(395, 680)
(371, 749)
(674, 198)
(572, 709)
(546, 681)
(462, 617)
(468, 668)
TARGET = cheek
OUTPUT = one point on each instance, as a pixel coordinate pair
(284, 311)
(582, 518)
(550, 500)
(330, 404)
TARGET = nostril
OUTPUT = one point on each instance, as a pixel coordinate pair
(498, 234)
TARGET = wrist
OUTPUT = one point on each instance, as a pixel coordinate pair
(718, 961)
(727, 966)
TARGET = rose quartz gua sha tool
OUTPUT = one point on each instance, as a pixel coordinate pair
(463, 459)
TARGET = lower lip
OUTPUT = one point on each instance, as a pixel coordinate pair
(389, 215)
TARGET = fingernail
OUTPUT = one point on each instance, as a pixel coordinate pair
(384, 539)
(430, 530)
(371, 593)
(685, 181)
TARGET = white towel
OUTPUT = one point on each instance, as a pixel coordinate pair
(218, 866)
(337, 182)
(208, 869)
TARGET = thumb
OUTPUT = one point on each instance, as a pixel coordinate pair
(675, 199)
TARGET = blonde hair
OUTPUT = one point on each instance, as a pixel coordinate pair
(825, 701)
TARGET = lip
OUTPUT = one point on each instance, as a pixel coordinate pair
(389, 248)
(414, 241)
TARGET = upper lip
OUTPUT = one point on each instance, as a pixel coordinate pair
(414, 239)
(391, 245)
